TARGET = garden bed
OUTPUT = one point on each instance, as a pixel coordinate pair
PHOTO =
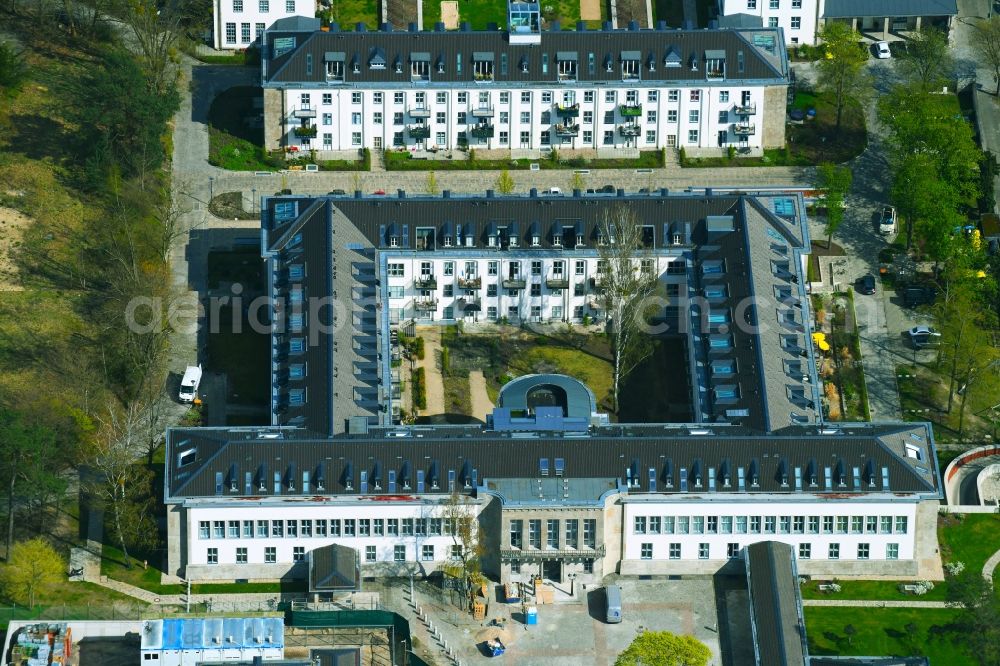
(402, 160)
(229, 206)
(840, 368)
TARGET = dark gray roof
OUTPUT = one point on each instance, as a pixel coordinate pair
(869, 661)
(610, 46)
(856, 8)
(236, 463)
(296, 24)
(580, 401)
(741, 21)
(779, 631)
(334, 568)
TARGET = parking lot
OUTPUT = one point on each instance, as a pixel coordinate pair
(574, 632)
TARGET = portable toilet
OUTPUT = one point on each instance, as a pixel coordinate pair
(531, 617)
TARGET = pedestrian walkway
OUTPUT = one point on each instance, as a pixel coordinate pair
(868, 603)
(991, 565)
(433, 380)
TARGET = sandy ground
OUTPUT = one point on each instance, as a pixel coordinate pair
(449, 14)
(12, 224)
(481, 404)
(590, 10)
(431, 364)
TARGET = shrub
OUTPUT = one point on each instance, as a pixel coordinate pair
(418, 348)
(445, 360)
(682, 155)
(954, 568)
(731, 152)
(419, 389)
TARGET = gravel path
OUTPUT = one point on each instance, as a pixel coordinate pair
(432, 369)
(481, 403)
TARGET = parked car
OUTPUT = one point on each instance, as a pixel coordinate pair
(915, 294)
(190, 383)
(887, 221)
(882, 50)
(336, 193)
(865, 284)
(924, 336)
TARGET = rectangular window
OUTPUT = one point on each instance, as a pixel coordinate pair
(291, 529)
(646, 551)
(407, 527)
(796, 4)
(695, 96)
(369, 553)
(378, 527)
(784, 524)
(247, 529)
(805, 551)
(290, 6)
(675, 551)
(871, 524)
(692, 136)
(841, 525)
(230, 33)
(234, 529)
(237, 6)
(863, 551)
(713, 525)
(892, 551)
(298, 553)
(885, 525)
(270, 555)
(219, 529)
(264, 6)
(427, 553)
(798, 524)
(399, 553)
(335, 527)
(364, 527)
(857, 523)
(693, 116)
(682, 524)
(572, 533)
(654, 524)
(261, 529)
(392, 526)
(305, 528)
(754, 524)
(321, 528)
(769, 524)
(552, 534)
(516, 529)
(833, 551)
(245, 32)
(204, 528)
(534, 534)
(900, 524)
(277, 528)
(796, 22)
(213, 556)
(727, 525)
(698, 525)
(827, 524)
(241, 556)
(704, 550)
(741, 524)
(774, 4)
(589, 533)
(732, 550)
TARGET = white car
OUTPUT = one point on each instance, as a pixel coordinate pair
(190, 383)
(887, 221)
(924, 336)
(882, 50)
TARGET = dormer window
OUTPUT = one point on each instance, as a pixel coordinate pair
(608, 65)
(447, 240)
(672, 59)
(566, 65)
(651, 63)
(420, 66)
(557, 241)
(398, 66)
(524, 65)
(630, 65)
(694, 63)
(535, 240)
(334, 62)
(715, 64)
(482, 66)
(440, 66)
(377, 60)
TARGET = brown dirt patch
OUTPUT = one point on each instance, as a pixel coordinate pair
(629, 10)
(449, 14)
(590, 10)
(12, 226)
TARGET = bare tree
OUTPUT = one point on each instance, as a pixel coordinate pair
(122, 486)
(156, 32)
(466, 533)
(986, 39)
(626, 280)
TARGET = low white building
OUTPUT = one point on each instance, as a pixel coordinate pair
(801, 20)
(522, 92)
(240, 24)
(194, 641)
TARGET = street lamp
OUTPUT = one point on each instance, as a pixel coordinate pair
(572, 584)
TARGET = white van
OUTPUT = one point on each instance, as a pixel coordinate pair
(613, 604)
(190, 383)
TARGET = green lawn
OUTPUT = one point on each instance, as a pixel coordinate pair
(922, 388)
(348, 13)
(401, 160)
(236, 132)
(882, 590)
(883, 631)
(969, 538)
(76, 601)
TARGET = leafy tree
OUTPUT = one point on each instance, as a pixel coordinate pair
(986, 40)
(505, 182)
(988, 169)
(123, 117)
(30, 463)
(850, 632)
(662, 648)
(835, 181)
(32, 568)
(842, 71)
(13, 70)
(467, 535)
(156, 27)
(577, 181)
(624, 289)
(979, 622)
(927, 62)
(431, 186)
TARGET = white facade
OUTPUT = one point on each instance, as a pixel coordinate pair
(706, 116)
(657, 532)
(239, 24)
(556, 286)
(797, 18)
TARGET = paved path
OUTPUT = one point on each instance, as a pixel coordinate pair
(869, 603)
(431, 364)
(991, 565)
(481, 403)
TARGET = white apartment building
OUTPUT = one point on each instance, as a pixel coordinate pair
(801, 20)
(597, 90)
(239, 24)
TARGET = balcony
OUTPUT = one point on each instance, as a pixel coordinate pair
(305, 131)
(482, 132)
(483, 112)
(630, 110)
(744, 129)
(587, 552)
(425, 282)
(630, 130)
(568, 111)
(567, 130)
(419, 132)
(470, 282)
(745, 109)
(513, 283)
(426, 304)
(557, 282)
(419, 112)
(304, 112)
(597, 285)
(470, 303)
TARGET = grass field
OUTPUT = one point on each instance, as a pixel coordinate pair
(397, 160)
(233, 143)
(348, 13)
(887, 631)
(921, 388)
(971, 538)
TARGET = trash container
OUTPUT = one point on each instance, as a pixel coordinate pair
(531, 617)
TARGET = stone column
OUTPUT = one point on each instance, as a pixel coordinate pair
(854, 24)
(885, 28)
(917, 26)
